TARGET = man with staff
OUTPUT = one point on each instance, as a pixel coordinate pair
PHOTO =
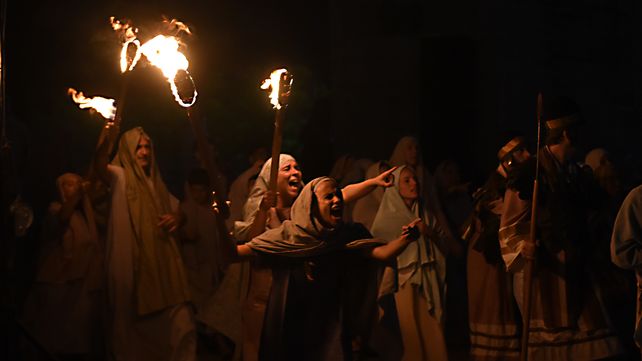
(566, 316)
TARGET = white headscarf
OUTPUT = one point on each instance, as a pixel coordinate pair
(241, 228)
(304, 235)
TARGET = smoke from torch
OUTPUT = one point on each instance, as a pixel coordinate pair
(102, 105)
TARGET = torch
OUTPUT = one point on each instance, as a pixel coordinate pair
(130, 54)
(280, 84)
(105, 107)
(163, 52)
(528, 266)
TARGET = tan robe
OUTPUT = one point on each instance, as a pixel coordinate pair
(63, 305)
(568, 321)
(168, 334)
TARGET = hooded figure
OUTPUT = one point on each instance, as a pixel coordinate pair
(62, 310)
(251, 208)
(148, 287)
(254, 280)
(418, 281)
(312, 291)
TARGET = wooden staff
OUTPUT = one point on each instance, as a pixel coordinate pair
(284, 85)
(210, 165)
(277, 139)
(528, 267)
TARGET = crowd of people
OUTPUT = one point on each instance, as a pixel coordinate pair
(380, 260)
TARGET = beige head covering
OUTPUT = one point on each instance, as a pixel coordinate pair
(422, 263)
(87, 208)
(304, 235)
(160, 276)
(261, 186)
(398, 156)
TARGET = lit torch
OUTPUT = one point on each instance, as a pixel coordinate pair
(162, 52)
(130, 52)
(279, 84)
(103, 106)
(129, 56)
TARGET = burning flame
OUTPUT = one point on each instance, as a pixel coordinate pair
(128, 35)
(102, 105)
(162, 52)
(274, 83)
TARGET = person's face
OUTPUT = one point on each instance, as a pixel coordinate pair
(289, 180)
(200, 194)
(412, 154)
(521, 155)
(329, 204)
(143, 152)
(408, 185)
(70, 187)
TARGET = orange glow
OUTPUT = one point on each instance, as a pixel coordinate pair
(102, 105)
(273, 83)
(162, 52)
(128, 35)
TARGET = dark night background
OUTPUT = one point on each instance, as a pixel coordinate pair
(455, 73)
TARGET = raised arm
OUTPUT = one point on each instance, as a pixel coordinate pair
(260, 222)
(105, 145)
(353, 192)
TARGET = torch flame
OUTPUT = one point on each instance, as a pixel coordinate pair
(102, 105)
(162, 52)
(274, 83)
(128, 35)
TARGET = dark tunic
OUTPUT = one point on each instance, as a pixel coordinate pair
(314, 298)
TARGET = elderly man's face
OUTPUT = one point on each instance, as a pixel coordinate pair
(144, 153)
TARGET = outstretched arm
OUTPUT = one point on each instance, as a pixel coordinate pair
(243, 253)
(392, 249)
(353, 192)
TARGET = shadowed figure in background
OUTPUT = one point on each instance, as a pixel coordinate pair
(626, 248)
(492, 312)
(365, 209)
(146, 279)
(206, 257)
(64, 307)
(239, 190)
(567, 319)
(311, 257)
